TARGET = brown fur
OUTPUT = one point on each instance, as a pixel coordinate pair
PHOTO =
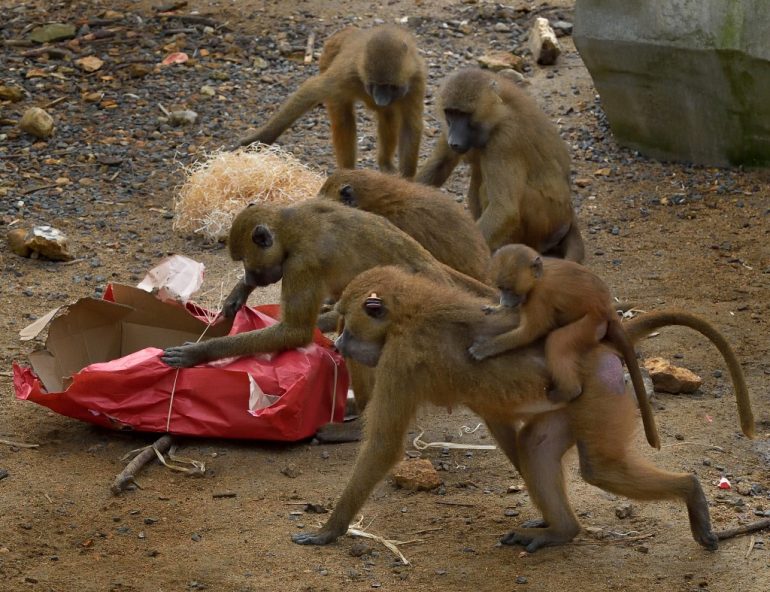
(353, 59)
(569, 306)
(520, 167)
(315, 248)
(430, 216)
(418, 335)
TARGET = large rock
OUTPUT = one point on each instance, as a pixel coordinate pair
(685, 80)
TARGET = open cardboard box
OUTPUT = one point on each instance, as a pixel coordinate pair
(101, 363)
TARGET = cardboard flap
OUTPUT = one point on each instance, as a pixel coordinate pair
(88, 332)
(157, 314)
(47, 370)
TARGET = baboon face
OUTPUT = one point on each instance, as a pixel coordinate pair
(339, 187)
(386, 70)
(515, 270)
(463, 133)
(385, 94)
(366, 316)
(253, 241)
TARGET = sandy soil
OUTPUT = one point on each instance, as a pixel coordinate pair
(662, 235)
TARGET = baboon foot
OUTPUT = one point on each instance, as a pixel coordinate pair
(334, 433)
(322, 537)
(534, 538)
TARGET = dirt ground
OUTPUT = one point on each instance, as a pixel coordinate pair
(661, 235)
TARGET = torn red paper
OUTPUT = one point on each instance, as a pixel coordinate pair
(102, 365)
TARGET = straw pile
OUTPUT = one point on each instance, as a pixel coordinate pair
(218, 187)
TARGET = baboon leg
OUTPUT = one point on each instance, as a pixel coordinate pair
(540, 446)
(602, 420)
(343, 124)
(571, 246)
(564, 348)
(388, 123)
(632, 476)
(382, 448)
(362, 383)
(310, 93)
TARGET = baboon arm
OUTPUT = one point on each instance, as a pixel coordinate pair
(386, 425)
(299, 311)
(439, 165)
(312, 92)
(523, 335)
(474, 192)
(237, 298)
(500, 223)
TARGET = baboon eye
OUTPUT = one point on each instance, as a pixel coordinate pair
(346, 193)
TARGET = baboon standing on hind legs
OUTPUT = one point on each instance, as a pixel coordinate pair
(381, 68)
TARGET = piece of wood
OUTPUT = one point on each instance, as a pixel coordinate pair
(543, 44)
(128, 474)
(309, 48)
(743, 529)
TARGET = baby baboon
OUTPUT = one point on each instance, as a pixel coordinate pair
(520, 167)
(430, 216)
(417, 332)
(379, 67)
(569, 306)
(315, 247)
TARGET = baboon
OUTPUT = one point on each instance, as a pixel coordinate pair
(315, 247)
(417, 332)
(520, 167)
(569, 306)
(430, 216)
(379, 67)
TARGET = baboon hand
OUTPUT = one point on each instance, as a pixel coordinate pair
(184, 356)
(481, 349)
(233, 304)
(322, 537)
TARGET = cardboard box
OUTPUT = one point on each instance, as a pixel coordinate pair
(101, 364)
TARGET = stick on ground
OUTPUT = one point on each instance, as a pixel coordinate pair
(743, 529)
(127, 475)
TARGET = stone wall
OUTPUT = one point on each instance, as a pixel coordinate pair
(685, 80)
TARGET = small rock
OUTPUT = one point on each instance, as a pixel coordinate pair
(315, 509)
(359, 548)
(416, 474)
(196, 537)
(184, 117)
(671, 379)
(583, 181)
(3, 474)
(521, 580)
(291, 471)
(624, 510)
(52, 32)
(89, 63)
(499, 60)
(44, 241)
(511, 512)
(543, 44)
(744, 488)
(37, 122)
(139, 70)
(562, 28)
(208, 91)
(514, 76)
(642, 549)
(11, 93)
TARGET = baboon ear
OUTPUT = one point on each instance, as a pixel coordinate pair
(261, 236)
(347, 196)
(537, 266)
(375, 307)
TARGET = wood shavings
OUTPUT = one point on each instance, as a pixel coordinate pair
(221, 185)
